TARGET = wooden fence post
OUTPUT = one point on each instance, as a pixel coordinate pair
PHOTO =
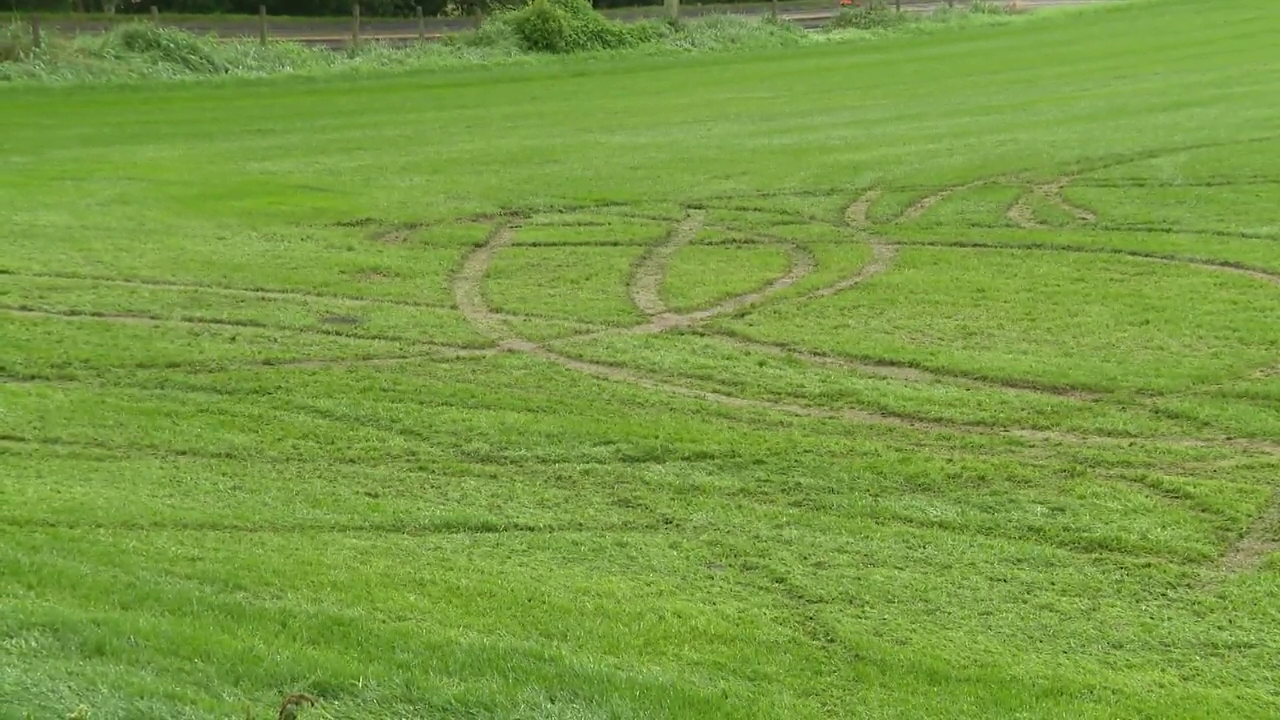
(422, 23)
(35, 32)
(155, 14)
(355, 26)
(673, 9)
(773, 10)
(262, 25)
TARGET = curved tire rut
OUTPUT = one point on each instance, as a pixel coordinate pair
(646, 280)
(470, 299)
(922, 205)
(1022, 215)
(1260, 540)
(802, 263)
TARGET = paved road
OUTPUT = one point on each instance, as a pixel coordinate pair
(336, 32)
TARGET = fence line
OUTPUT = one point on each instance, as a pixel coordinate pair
(415, 29)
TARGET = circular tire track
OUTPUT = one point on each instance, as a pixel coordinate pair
(645, 291)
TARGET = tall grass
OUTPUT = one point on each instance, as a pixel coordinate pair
(140, 51)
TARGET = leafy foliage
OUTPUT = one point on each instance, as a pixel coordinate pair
(170, 46)
(15, 43)
(874, 15)
(568, 26)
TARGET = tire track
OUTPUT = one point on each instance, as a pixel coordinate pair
(1021, 214)
(856, 215)
(438, 528)
(1260, 540)
(467, 289)
(922, 205)
(1220, 265)
(140, 319)
(882, 255)
(1053, 192)
(897, 371)
(261, 293)
(623, 375)
(646, 279)
(802, 263)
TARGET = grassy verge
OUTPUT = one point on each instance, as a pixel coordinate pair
(343, 21)
(141, 51)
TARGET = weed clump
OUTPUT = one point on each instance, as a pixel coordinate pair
(734, 32)
(168, 46)
(15, 43)
(875, 15)
(569, 26)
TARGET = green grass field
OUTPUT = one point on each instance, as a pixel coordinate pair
(934, 377)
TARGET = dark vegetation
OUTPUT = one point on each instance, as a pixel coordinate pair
(295, 8)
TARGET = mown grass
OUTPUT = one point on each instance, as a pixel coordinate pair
(256, 438)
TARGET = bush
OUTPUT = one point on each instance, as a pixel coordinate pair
(568, 26)
(875, 15)
(169, 46)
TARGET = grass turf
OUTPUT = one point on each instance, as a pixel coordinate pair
(266, 425)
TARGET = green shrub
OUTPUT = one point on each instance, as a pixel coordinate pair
(169, 46)
(568, 26)
(875, 15)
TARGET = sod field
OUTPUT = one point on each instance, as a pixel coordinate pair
(930, 377)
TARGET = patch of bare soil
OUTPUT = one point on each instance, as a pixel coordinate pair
(802, 263)
(1259, 541)
(468, 289)
(1021, 214)
(646, 280)
(904, 372)
(882, 254)
(923, 204)
(1053, 193)
(856, 214)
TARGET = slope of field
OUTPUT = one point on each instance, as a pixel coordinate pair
(932, 378)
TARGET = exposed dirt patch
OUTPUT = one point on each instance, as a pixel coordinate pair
(268, 293)
(344, 320)
(393, 236)
(923, 204)
(1223, 266)
(904, 372)
(1259, 541)
(802, 263)
(468, 291)
(645, 288)
(856, 214)
(1053, 192)
(1021, 214)
(646, 280)
(84, 314)
(1266, 373)
(882, 254)
(364, 222)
